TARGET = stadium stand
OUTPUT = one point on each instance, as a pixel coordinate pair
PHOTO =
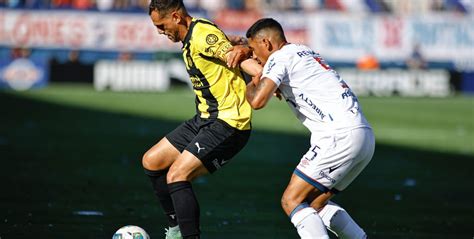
(362, 19)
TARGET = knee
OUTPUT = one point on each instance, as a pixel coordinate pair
(176, 175)
(289, 202)
(152, 160)
(319, 203)
(147, 161)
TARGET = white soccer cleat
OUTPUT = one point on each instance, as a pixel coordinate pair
(173, 233)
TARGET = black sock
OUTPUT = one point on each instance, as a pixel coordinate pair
(187, 208)
(160, 186)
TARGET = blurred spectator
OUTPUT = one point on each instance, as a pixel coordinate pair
(73, 57)
(253, 5)
(410, 7)
(311, 5)
(368, 62)
(378, 5)
(426, 6)
(125, 56)
(84, 4)
(20, 52)
(456, 5)
(468, 5)
(15, 3)
(61, 3)
(236, 4)
(357, 6)
(121, 5)
(416, 59)
(213, 6)
(333, 5)
(192, 5)
(105, 5)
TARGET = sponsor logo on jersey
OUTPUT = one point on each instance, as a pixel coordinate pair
(216, 163)
(270, 64)
(324, 175)
(305, 53)
(199, 147)
(313, 106)
(197, 83)
(348, 93)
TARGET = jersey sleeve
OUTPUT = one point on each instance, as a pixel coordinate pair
(275, 69)
(212, 42)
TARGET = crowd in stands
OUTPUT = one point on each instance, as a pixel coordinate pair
(211, 6)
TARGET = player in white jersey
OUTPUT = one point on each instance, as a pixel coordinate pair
(342, 141)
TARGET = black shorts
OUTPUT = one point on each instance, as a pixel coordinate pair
(214, 142)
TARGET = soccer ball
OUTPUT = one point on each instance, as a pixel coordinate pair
(131, 232)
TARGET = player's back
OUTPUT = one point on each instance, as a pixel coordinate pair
(315, 92)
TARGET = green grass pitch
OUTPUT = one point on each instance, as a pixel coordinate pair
(68, 149)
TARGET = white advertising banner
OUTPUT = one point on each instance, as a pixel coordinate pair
(390, 82)
(82, 30)
(137, 75)
(441, 37)
(340, 37)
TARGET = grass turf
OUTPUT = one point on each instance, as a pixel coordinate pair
(68, 149)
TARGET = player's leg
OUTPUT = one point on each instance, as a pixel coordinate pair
(184, 169)
(156, 162)
(361, 144)
(213, 147)
(305, 218)
(338, 221)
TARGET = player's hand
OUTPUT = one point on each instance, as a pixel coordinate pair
(256, 79)
(237, 54)
(277, 94)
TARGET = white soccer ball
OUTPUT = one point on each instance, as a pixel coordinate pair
(131, 232)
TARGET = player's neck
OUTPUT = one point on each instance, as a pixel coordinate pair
(185, 29)
(282, 44)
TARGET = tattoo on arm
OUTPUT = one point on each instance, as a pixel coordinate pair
(251, 90)
(261, 85)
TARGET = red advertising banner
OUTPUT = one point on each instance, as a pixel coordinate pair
(81, 30)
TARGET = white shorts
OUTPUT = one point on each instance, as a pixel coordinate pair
(334, 161)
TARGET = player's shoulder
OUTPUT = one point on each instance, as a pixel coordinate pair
(284, 53)
(207, 33)
(205, 25)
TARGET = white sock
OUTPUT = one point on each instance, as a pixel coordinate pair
(338, 221)
(309, 224)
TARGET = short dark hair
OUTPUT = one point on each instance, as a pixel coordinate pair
(165, 6)
(265, 23)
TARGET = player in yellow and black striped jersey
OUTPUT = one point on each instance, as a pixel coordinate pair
(218, 131)
(220, 90)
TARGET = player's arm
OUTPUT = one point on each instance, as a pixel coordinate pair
(251, 67)
(237, 40)
(223, 50)
(259, 93)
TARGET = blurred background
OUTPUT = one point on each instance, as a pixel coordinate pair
(383, 47)
(87, 86)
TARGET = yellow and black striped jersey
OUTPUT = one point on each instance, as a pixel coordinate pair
(220, 90)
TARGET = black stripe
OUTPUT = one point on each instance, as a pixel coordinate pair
(193, 71)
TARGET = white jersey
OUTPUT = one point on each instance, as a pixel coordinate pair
(321, 100)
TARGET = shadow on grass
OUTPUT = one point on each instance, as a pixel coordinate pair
(60, 162)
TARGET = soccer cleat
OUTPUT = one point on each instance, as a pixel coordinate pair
(173, 233)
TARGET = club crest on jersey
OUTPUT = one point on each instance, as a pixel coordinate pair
(211, 39)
